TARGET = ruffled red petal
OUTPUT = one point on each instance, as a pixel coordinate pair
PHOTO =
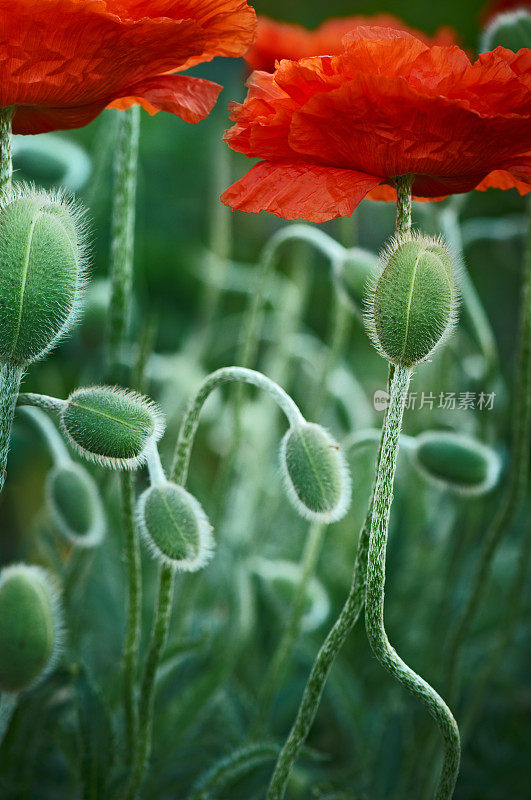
(295, 191)
(191, 99)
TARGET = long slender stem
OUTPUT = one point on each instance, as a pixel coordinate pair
(122, 235)
(374, 605)
(516, 486)
(10, 378)
(404, 184)
(134, 607)
(6, 161)
(291, 633)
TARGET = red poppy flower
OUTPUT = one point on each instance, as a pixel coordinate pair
(64, 61)
(331, 129)
(276, 40)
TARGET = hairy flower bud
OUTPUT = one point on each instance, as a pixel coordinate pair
(42, 253)
(412, 305)
(75, 504)
(315, 473)
(511, 29)
(30, 626)
(175, 527)
(111, 426)
(456, 462)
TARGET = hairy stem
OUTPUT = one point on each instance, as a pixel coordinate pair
(403, 205)
(6, 162)
(134, 608)
(374, 605)
(515, 490)
(10, 378)
(122, 235)
(291, 633)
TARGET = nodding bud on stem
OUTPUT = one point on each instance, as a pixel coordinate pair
(511, 29)
(175, 527)
(42, 253)
(412, 305)
(111, 426)
(30, 626)
(456, 462)
(75, 504)
(315, 473)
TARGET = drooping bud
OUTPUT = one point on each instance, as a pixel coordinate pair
(30, 626)
(175, 527)
(412, 305)
(511, 29)
(42, 253)
(111, 426)
(315, 473)
(75, 504)
(282, 579)
(456, 462)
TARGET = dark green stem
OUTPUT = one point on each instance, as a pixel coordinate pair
(122, 236)
(10, 378)
(134, 607)
(515, 489)
(374, 605)
(6, 162)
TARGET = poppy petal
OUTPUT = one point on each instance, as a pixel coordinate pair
(191, 99)
(295, 191)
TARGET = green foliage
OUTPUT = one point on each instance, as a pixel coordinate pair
(42, 257)
(111, 426)
(29, 627)
(412, 306)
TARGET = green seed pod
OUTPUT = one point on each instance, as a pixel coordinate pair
(412, 305)
(456, 462)
(30, 626)
(175, 527)
(315, 473)
(42, 253)
(354, 271)
(111, 426)
(75, 504)
(282, 579)
(511, 29)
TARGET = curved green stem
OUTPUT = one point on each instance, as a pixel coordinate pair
(291, 633)
(51, 435)
(10, 378)
(516, 486)
(122, 235)
(134, 608)
(374, 605)
(242, 760)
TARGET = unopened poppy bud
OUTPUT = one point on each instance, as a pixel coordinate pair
(30, 626)
(511, 29)
(315, 473)
(282, 580)
(412, 305)
(75, 504)
(456, 462)
(175, 527)
(356, 269)
(42, 253)
(111, 426)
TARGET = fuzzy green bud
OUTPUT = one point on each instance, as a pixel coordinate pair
(42, 275)
(315, 473)
(30, 627)
(456, 462)
(282, 580)
(412, 305)
(511, 29)
(111, 426)
(175, 527)
(75, 504)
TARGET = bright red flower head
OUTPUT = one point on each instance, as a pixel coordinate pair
(64, 61)
(276, 40)
(331, 129)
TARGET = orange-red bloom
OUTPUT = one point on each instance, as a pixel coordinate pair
(330, 129)
(276, 40)
(64, 61)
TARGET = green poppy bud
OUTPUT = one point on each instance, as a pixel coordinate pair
(511, 29)
(456, 462)
(42, 253)
(175, 527)
(75, 504)
(282, 579)
(315, 473)
(412, 305)
(30, 626)
(111, 426)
